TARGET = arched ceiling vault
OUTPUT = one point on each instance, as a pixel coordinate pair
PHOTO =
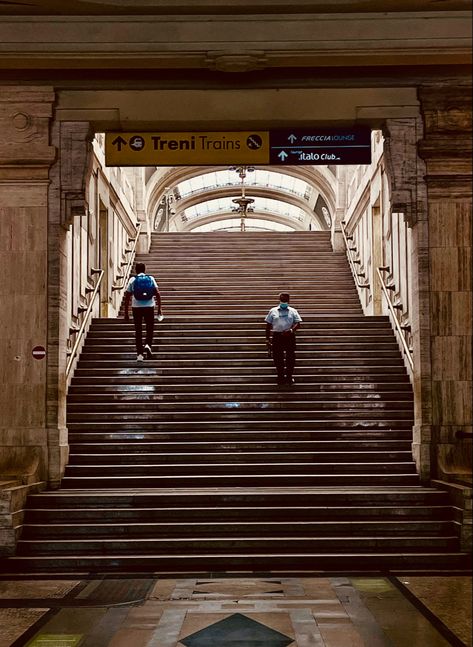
(253, 191)
(320, 178)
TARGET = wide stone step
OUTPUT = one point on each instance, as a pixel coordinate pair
(240, 465)
(239, 415)
(212, 397)
(365, 426)
(318, 378)
(95, 385)
(218, 282)
(73, 530)
(238, 480)
(256, 310)
(92, 435)
(224, 545)
(180, 332)
(228, 345)
(187, 368)
(378, 461)
(243, 320)
(275, 496)
(376, 515)
(213, 295)
(239, 358)
(170, 374)
(368, 448)
(307, 561)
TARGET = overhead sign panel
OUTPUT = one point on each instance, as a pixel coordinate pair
(282, 147)
(315, 146)
(186, 149)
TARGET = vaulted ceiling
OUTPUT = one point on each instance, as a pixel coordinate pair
(214, 198)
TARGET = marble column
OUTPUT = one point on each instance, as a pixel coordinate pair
(25, 160)
(408, 195)
(66, 199)
(446, 150)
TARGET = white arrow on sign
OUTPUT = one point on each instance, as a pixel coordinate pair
(292, 138)
(282, 155)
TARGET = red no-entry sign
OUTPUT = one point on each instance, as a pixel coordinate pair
(39, 352)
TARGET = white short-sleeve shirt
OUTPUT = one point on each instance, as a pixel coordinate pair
(282, 319)
(136, 303)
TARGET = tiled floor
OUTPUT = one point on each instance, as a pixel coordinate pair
(237, 612)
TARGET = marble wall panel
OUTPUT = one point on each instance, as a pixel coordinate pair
(451, 358)
(451, 402)
(454, 315)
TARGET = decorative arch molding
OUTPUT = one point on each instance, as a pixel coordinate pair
(225, 215)
(321, 178)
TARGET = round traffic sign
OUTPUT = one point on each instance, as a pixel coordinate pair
(39, 352)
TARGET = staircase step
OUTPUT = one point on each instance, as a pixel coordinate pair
(224, 545)
(265, 561)
(148, 458)
(83, 433)
(239, 480)
(370, 448)
(375, 515)
(73, 530)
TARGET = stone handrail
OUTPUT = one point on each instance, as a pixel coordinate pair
(407, 350)
(126, 275)
(350, 259)
(85, 319)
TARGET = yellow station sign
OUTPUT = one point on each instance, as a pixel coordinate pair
(186, 149)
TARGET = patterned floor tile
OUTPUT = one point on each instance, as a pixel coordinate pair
(237, 630)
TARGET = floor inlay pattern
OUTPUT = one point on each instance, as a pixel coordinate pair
(223, 612)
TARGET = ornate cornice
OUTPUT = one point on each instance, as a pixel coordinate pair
(447, 143)
(235, 43)
(75, 158)
(405, 169)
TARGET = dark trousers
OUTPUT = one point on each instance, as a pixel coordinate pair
(146, 314)
(284, 353)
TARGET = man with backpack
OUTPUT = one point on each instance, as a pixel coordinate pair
(144, 292)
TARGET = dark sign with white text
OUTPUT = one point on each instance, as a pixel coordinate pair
(340, 146)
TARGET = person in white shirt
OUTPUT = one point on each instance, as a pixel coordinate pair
(144, 291)
(281, 325)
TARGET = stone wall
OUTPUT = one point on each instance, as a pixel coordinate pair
(25, 160)
(446, 149)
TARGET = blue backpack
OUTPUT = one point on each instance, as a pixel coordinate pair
(143, 288)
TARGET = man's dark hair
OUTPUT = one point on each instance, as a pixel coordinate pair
(284, 296)
(140, 268)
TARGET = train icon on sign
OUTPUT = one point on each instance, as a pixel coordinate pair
(136, 143)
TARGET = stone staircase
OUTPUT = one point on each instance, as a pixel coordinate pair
(197, 461)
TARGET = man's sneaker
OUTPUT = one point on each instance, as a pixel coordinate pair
(139, 357)
(148, 352)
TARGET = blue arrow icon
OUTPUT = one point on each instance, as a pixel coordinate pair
(282, 155)
(292, 138)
